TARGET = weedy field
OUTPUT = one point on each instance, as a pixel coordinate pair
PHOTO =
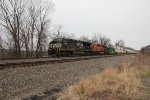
(129, 81)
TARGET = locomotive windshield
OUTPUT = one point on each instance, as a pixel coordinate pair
(56, 43)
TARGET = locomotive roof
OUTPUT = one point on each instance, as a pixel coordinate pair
(70, 40)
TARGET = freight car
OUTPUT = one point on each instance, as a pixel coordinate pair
(129, 50)
(67, 47)
(120, 50)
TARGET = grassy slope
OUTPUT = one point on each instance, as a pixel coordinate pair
(131, 81)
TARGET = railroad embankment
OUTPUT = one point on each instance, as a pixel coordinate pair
(42, 81)
(129, 81)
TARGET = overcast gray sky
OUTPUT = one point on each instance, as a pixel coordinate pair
(117, 19)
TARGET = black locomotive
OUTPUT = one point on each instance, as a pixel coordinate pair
(67, 47)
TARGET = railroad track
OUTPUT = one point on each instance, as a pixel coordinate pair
(29, 64)
(25, 58)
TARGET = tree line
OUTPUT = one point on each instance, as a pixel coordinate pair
(97, 38)
(24, 25)
(24, 29)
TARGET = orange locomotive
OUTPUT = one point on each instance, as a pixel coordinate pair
(97, 48)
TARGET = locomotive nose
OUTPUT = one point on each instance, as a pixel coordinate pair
(50, 51)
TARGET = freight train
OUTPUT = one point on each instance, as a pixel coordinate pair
(68, 47)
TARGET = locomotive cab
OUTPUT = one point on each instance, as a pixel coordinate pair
(54, 46)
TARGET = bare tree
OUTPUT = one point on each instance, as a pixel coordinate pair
(1, 43)
(68, 35)
(26, 21)
(25, 39)
(33, 15)
(9, 46)
(57, 31)
(42, 25)
(101, 39)
(85, 39)
(2, 49)
(5, 48)
(120, 43)
(11, 12)
(142, 49)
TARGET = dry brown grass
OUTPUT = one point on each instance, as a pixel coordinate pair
(141, 63)
(112, 84)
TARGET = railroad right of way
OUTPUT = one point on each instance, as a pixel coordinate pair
(34, 83)
(15, 64)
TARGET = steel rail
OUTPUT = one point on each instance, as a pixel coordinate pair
(36, 63)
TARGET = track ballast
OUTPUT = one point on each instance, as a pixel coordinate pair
(60, 60)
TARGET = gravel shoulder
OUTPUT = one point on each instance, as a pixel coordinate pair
(38, 81)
